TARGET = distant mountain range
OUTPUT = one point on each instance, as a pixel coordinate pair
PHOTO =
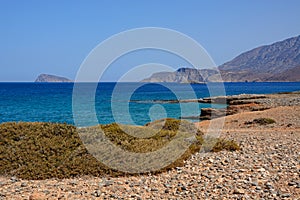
(276, 62)
(46, 78)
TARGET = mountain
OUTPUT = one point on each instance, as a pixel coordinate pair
(264, 63)
(279, 61)
(52, 78)
(292, 74)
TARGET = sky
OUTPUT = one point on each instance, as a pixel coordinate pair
(54, 36)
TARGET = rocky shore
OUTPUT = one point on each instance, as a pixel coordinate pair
(267, 166)
(244, 102)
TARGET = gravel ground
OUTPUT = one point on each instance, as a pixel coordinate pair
(275, 100)
(267, 167)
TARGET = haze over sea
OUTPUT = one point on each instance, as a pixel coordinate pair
(52, 102)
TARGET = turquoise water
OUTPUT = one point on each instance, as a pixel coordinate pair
(52, 102)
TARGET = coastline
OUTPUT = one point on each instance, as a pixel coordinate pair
(267, 166)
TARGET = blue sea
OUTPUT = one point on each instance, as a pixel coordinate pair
(130, 103)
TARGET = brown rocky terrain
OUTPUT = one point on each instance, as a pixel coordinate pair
(267, 166)
(288, 75)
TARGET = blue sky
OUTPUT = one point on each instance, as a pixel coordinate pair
(55, 36)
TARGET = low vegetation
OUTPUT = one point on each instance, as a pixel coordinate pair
(219, 144)
(262, 121)
(47, 150)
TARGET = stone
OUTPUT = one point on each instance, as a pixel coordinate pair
(108, 183)
(238, 191)
(97, 193)
(23, 184)
(269, 185)
(258, 188)
(183, 188)
(13, 179)
(292, 183)
(37, 196)
(285, 195)
(261, 170)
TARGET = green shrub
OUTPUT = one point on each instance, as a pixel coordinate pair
(264, 121)
(261, 121)
(46, 150)
(219, 144)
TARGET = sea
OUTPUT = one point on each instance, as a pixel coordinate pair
(126, 103)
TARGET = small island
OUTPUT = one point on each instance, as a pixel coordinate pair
(47, 78)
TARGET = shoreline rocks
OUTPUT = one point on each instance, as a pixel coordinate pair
(245, 103)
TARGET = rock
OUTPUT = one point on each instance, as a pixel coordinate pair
(292, 183)
(14, 179)
(268, 185)
(219, 186)
(211, 113)
(261, 170)
(37, 196)
(96, 193)
(73, 182)
(107, 183)
(238, 191)
(119, 182)
(23, 184)
(285, 195)
(258, 188)
(183, 188)
(254, 183)
(138, 197)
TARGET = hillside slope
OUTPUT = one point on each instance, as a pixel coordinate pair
(263, 63)
(279, 61)
(292, 74)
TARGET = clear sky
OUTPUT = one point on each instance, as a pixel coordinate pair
(54, 36)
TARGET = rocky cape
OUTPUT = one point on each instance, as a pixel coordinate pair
(47, 78)
(279, 61)
(185, 75)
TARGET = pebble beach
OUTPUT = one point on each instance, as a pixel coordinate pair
(266, 167)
